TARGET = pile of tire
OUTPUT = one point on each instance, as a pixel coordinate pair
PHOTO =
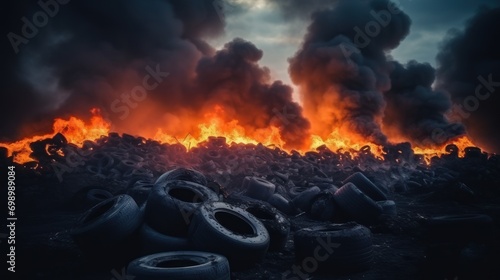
(180, 218)
(182, 213)
(359, 199)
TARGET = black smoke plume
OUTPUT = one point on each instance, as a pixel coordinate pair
(96, 54)
(414, 111)
(343, 71)
(469, 69)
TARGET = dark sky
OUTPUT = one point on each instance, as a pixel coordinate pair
(257, 21)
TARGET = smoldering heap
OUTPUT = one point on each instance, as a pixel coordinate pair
(94, 54)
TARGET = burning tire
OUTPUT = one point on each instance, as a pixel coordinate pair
(106, 227)
(356, 204)
(277, 225)
(367, 186)
(184, 174)
(258, 188)
(334, 248)
(155, 242)
(187, 265)
(230, 231)
(171, 205)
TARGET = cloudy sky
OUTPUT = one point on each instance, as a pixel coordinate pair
(279, 33)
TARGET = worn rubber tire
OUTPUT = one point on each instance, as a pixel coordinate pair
(388, 208)
(323, 207)
(295, 191)
(108, 232)
(171, 205)
(154, 242)
(185, 265)
(304, 200)
(185, 174)
(277, 225)
(259, 188)
(366, 186)
(110, 221)
(357, 205)
(230, 231)
(96, 196)
(281, 203)
(335, 247)
(140, 192)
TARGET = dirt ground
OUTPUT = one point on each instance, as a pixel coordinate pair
(46, 251)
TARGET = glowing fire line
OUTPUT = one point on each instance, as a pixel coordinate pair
(77, 131)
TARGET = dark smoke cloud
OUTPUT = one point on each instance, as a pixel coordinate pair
(349, 82)
(93, 52)
(233, 79)
(342, 75)
(468, 61)
(414, 110)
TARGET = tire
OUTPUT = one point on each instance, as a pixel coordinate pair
(304, 200)
(230, 231)
(335, 247)
(467, 227)
(154, 242)
(281, 203)
(186, 265)
(295, 191)
(366, 186)
(356, 204)
(323, 207)
(184, 174)
(326, 186)
(388, 208)
(96, 196)
(171, 205)
(108, 228)
(102, 159)
(276, 224)
(140, 192)
(259, 188)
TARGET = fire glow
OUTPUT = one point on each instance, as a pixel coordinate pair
(77, 131)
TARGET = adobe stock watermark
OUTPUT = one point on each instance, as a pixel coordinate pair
(470, 104)
(310, 264)
(30, 28)
(121, 275)
(130, 100)
(284, 116)
(363, 37)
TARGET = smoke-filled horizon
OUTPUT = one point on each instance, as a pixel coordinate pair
(148, 65)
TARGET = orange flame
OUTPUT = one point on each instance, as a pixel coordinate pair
(76, 131)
